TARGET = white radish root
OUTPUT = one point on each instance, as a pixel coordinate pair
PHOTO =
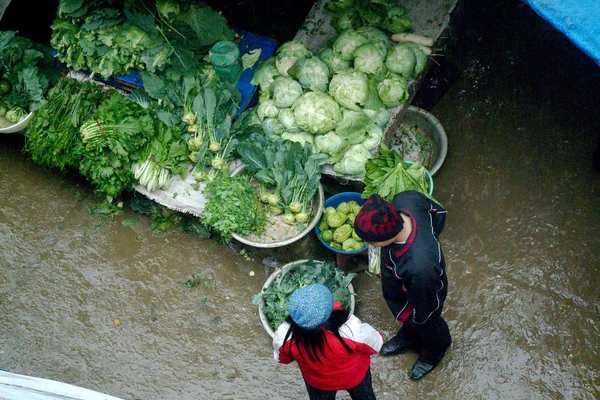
(411, 37)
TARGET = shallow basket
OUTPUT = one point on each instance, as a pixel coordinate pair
(317, 206)
(19, 126)
(334, 201)
(284, 269)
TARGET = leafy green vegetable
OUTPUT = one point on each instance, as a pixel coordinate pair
(53, 138)
(233, 207)
(276, 296)
(388, 174)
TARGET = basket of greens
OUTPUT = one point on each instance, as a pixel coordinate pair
(273, 299)
(287, 177)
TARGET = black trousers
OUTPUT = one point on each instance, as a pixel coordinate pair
(430, 339)
(362, 391)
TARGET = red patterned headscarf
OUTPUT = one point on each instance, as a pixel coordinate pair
(377, 220)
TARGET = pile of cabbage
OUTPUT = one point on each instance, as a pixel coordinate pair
(337, 227)
(338, 100)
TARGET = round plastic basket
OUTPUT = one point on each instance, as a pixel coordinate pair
(335, 201)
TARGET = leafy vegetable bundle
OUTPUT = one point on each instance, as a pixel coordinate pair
(288, 174)
(388, 174)
(111, 37)
(53, 138)
(233, 207)
(297, 276)
(114, 138)
(24, 76)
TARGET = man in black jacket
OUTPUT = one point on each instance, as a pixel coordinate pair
(413, 276)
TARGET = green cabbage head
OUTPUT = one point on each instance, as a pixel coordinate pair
(316, 112)
(285, 92)
(346, 42)
(375, 36)
(393, 90)
(350, 88)
(334, 61)
(369, 59)
(312, 73)
(286, 117)
(401, 60)
(353, 162)
(293, 48)
(267, 109)
(272, 126)
(330, 144)
(265, 74)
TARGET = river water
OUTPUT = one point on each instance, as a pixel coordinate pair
(98, 302)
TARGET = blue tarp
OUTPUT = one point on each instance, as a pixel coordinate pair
(579, 20)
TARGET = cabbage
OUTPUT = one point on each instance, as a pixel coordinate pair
(420, 56)
(286, 117)
(272, 126)
(285, 92)
(375, 36)
(334, 61)
(401, 60)
(354, 126)
(330, 144)
(353, 162)
(342, 233)
(316, 112)
(340, 5)
(267, 109)
(312, 73)
(300, 137)
(350, 88)
(284, 63)
(368, 59)
(397, 21)
(393, 90)
(373, 138)
(293, 48)
(265, 74)
(347, 42)
(381, 117)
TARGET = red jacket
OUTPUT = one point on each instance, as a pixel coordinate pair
(338, 369)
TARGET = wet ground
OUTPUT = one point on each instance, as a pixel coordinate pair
(99, 302)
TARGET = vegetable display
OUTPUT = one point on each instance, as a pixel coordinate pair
(382, 14)
(24, 76)
(118, 37)
(337, 227)
(342, 94)
(288, 174)
(277, 295)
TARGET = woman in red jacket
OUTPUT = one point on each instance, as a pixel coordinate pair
(332, 347)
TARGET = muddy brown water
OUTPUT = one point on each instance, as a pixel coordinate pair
(99, 304)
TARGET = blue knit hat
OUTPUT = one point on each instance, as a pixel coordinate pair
(311, 306)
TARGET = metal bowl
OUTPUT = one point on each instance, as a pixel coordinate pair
(283, 238)
(431, 128)
(19, 126)
(269, 282)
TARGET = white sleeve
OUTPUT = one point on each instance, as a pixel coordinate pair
(278, 338)
(362, 333)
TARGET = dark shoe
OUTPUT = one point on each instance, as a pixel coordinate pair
(396, 345)
(420, 369)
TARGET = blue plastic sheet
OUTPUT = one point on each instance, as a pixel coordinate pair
(579, 20)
